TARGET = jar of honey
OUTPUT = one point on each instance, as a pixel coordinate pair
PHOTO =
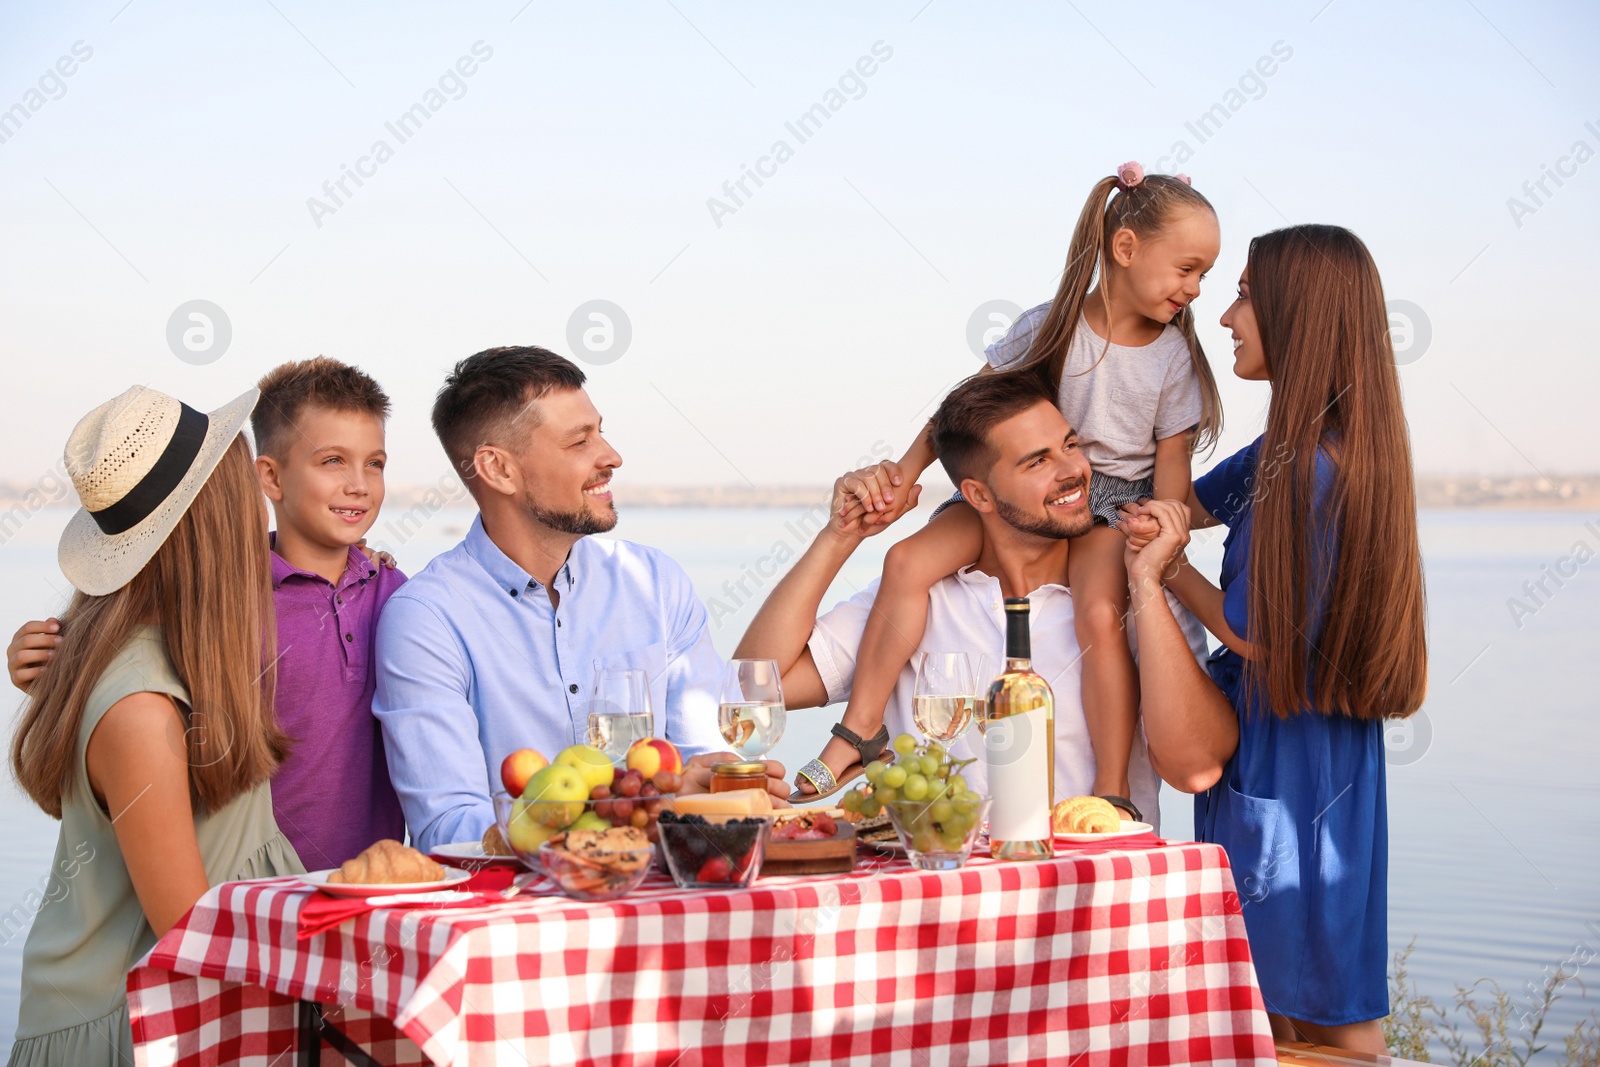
(738, 775)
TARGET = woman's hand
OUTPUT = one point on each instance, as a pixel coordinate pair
(30, 649)
(1150, 556)
(853, 510)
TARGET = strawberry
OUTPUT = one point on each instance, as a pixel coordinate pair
(715, 869)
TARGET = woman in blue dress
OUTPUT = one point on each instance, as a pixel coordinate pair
(1321, 618)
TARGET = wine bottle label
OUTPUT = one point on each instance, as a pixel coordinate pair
(1016, 749)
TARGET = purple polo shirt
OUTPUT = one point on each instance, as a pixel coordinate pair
(331, 796)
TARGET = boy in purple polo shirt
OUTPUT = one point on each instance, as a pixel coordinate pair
(320, 457)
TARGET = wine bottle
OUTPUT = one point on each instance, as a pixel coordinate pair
(1019, 749)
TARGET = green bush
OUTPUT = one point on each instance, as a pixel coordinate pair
(1484, 1028)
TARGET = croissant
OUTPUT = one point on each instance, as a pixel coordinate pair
(1085, 815)
(387, 863)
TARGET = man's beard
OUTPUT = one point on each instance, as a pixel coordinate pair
(1046, 526)
(580, 523)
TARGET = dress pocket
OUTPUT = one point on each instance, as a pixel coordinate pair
(1263, 846)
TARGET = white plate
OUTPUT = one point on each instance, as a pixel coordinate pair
(470, 854)
(1129, 829)
(319, 880)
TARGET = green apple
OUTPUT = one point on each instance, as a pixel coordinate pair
(593, 764)
(590, 821)
(562, 788)
(525, 833)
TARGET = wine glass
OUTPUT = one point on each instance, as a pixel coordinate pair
(945, 699)
(981, 680)
(620, 712)
(750, 709)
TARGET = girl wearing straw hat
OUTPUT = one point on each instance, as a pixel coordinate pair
(151, 738)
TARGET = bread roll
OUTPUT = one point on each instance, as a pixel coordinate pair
(387, 863)
(1085, 815)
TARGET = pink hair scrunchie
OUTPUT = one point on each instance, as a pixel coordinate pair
(1129, 175)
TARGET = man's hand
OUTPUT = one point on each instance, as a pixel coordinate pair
(853, 510)
(697, 776)
(1140, 529)
(31, 648)
(1151, 560)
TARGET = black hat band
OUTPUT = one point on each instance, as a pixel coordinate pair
(140, 502)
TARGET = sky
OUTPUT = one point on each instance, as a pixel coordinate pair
(558, 155)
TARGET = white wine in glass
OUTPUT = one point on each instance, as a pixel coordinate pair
(620, 711)
(751, 712)
(945, 700)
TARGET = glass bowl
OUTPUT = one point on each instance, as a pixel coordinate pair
(717, 853)
(527, 824)
(599, 876)
(938, 835)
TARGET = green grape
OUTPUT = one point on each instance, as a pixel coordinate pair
(935, 749)
(916, 787)
(941, 811)
(874, 771)
(851, 801)
(894, 777)
(871, 807)
(905, 744)
(957, 783)
(884, 795)
(925, 765)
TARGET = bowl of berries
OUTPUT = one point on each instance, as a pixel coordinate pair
(713, 852)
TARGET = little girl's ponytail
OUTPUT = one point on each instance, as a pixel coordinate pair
(1144, 204)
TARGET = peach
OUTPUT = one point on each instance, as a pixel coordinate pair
(653, 754)
(518, 767)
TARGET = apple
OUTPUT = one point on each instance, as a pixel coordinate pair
(518, 767)
(590, 821)
(564, 787)
(594, 765)
(525, 833)
(652, 754)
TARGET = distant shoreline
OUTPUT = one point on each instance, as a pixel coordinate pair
(1579, 492)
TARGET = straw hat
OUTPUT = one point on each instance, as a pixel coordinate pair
(137, 462)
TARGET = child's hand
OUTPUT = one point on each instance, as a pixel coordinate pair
(849, 516)
(877, 490)
(30, 649)
(1138, 527)
(1156, 559)
(382, 559)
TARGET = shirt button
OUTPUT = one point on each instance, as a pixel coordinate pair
(349, 637)
(513, 592)
(338, 600)
(558, 624)
(573, 688)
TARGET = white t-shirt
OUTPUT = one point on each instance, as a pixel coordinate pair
(1121, 408)
(966, 613)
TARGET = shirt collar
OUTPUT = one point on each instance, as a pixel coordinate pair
(970, 575)
(357, 567)
(505, 572)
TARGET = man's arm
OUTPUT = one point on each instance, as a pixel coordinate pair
(782, 627)
(1190, 728)
(430, 730)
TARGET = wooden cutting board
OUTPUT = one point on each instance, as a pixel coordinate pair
(834, 855)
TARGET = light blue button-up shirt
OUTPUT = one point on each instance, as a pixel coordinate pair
(474, 662)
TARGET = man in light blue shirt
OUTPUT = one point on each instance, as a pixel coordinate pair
(493, 646)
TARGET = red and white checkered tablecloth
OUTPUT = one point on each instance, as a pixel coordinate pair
(1135, 957)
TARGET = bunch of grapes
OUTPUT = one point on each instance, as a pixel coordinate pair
(928, 776)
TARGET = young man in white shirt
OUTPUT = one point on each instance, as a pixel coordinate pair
(1006, 445)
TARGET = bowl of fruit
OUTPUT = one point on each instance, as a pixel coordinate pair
(935, 815)
(714, 852)
(581, 790)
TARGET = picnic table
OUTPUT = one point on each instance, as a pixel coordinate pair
(1097, 956)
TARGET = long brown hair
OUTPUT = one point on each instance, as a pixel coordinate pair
(1324, 330)
(1145, 209)
(209, 588)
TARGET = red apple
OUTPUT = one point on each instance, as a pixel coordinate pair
(518, 767)
(652, 754)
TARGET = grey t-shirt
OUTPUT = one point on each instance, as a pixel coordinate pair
(1121, 408)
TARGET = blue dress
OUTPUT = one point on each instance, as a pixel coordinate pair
(1300, 807)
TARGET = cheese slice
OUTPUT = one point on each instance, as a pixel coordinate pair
(734, 802)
